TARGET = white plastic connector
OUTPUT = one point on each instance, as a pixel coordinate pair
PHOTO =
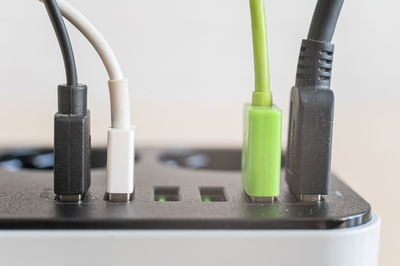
(120, 146)
(120, 162)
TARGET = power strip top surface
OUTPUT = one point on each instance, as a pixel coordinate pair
(171, 194)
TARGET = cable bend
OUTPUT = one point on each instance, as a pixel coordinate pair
(118, 85)
(61, 31)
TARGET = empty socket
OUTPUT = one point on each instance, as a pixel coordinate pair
(212, 194)
(163, 194)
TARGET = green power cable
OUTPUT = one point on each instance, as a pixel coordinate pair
(262, 95)
(261, 154)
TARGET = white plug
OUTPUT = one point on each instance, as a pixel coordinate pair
(120, 146)
(120, 164)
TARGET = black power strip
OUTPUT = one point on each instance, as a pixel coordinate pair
(174, 189)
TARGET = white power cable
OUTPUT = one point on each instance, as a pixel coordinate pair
(94, 37)
(120, 147)
(120, 104)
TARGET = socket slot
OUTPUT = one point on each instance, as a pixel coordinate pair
(163, 194)
(212, 194)
(27, 201)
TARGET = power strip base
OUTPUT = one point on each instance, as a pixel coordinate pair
(345, 247)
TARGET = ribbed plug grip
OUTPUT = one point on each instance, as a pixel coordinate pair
(315, 64)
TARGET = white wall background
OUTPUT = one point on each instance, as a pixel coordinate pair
(189, 63)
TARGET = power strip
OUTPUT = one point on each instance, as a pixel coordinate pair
(186, 203)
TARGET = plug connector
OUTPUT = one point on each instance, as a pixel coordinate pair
(261, 156)
(120, 145)
(71, 143)
(120, 164)
(308, 160)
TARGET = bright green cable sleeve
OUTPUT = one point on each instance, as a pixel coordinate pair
(261, 154)
(262, 95)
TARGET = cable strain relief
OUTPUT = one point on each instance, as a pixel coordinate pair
(72, 99)
(120, 104)
(315, 64)
(262, 98)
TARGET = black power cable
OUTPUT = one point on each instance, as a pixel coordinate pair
(71, 122)
(324, 21)
(63, 40)
(308, 161)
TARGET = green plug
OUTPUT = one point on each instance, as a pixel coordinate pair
(261, 155)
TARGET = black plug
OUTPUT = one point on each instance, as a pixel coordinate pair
(309, 148)
(71, 143)
(308, 162)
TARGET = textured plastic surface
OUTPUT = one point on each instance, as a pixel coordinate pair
(261, 163)
(311, 121)
(314, 67)
(72, 141)
(27, 200)
(72, 154)
(310, 140)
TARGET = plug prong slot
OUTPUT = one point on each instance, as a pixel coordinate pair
(212, 194)
(164, 194)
